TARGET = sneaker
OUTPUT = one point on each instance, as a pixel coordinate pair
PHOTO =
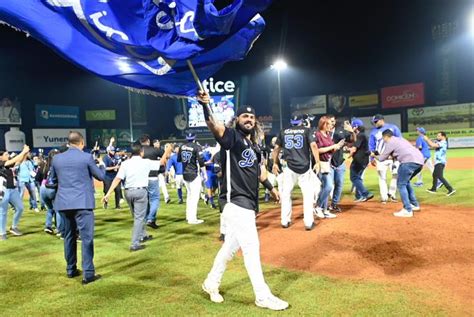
(214, 294)
(222, 237)
(146, 238)
(358, 200)
(49, 230)
(286, 226)
(121, 202)
(418, 184)
(15, 231)
(168, 200)
(196, 222)
(329, 215)
(431, 191)
(309, 228)
(213, 206)
(3, 237)
(36, 210)
(403, 213)
(139, 247)
(392, 199)
(180, 201)
(415, 208)
(318, 212)
(272, 302)
(367, 198)
(451, 192)
(152, 224)
(335, 208)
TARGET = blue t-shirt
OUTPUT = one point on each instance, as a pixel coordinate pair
(423, 146)
(440, 153)
(178, 166)
(24, 171)
(110, 162)
(206, 156)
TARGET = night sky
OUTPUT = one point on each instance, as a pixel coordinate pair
(336, 46)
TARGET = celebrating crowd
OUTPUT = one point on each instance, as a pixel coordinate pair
(312, 157)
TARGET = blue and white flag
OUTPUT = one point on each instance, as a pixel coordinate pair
(142, 44)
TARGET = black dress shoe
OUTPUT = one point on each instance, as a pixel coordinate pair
(137, 248)
(146, 238)
(74, 274)
(152, 224)
(222, 237)
(92, 279)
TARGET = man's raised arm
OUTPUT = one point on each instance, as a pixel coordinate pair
(216, 128)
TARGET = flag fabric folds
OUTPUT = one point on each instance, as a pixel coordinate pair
(142, 44)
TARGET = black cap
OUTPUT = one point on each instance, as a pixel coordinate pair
(245, 109)
(296, 120)
(377, 117)
(190, 136)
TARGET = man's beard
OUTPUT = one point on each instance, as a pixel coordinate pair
(242, 128)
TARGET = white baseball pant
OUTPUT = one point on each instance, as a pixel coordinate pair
(179, 181)
(306, 183)
(429, 165)
(241, 233)
(193, 189)
(382, 168)
(164, 190)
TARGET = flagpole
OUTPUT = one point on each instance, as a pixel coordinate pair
(130, 114)
(198, 81)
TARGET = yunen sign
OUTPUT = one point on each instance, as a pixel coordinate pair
(100, 115)
(52, 138)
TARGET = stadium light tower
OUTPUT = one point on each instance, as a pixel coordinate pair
(279, 65)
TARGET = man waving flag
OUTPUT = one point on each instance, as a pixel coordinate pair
(142, 44)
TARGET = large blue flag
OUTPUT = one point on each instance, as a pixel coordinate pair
(142, 44)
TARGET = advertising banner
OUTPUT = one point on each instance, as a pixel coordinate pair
(138, 103)
(267, 122)
(122, 136)
(451, 134)
(364, 100)
(100, 115)
(309, 105)
(52, 138)
(390, 118)
(10, 112)
(442, 118)
(337, 102)
(57, 116)
(446, 65)
(403, 96)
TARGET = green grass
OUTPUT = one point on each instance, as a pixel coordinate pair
(165, 279)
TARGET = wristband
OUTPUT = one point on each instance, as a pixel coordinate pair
(206, 110)
(266, 183)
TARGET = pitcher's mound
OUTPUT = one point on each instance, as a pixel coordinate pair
(366, 242)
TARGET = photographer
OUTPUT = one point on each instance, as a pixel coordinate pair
(112, 164)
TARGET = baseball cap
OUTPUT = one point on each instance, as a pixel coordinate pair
(110, 149)
(245, 109)
(190, 136)
(355, 123)
(295, 120)
(421, 130)
(376, 118)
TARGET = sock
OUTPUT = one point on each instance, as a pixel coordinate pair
(180, 194)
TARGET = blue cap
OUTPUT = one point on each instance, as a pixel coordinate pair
(377, 117)
(421, 130)
(296, 120)
(355, 123)
(190, 136)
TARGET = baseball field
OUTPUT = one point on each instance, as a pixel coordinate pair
(364, 262)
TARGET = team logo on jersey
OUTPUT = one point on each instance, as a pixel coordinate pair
(248, 158)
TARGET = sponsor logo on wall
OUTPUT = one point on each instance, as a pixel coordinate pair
(52, 138)
(57, 116)
(100, 115)
(10, 111)
(364, 100)
(403, 96)
(309, 105)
